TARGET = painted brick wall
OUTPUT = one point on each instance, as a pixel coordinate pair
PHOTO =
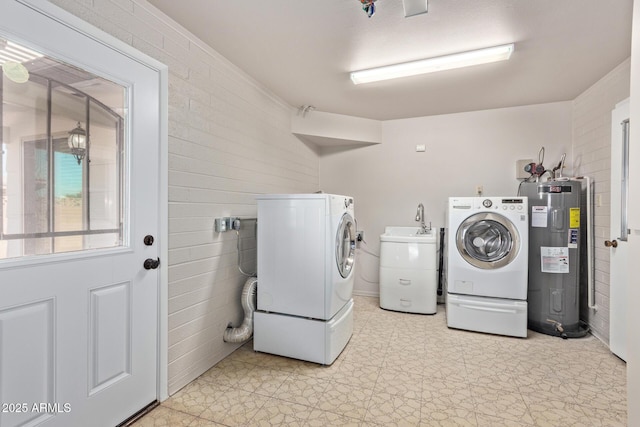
(229, 139)
(592, 156)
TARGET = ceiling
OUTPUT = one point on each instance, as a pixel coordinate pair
(303, 51)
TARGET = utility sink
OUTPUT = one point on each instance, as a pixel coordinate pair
(407, 235)
(408, 270)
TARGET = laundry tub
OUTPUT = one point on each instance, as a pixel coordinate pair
(408, 270)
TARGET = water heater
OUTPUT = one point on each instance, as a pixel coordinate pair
(556, 242)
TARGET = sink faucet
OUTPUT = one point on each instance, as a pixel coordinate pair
(420, 219)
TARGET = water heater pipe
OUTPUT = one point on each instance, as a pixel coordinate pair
(591, 288)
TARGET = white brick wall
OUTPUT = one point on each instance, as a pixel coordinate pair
(229, 139)
(592, 156)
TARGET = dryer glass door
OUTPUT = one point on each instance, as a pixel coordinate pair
(346, 245)
(488, 240)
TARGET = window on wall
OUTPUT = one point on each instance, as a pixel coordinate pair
(63, 150)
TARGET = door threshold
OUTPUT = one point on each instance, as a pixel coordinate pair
(141, 413)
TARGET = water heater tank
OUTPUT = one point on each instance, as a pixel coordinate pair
(556, 241)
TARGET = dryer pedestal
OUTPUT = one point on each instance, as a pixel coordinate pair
(319, 341)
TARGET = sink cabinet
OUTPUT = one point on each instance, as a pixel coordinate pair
(408, 270)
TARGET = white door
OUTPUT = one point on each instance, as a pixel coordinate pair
(79, 172)
(617, 243)
(633, 293)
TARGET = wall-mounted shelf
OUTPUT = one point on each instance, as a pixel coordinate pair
(335, 130)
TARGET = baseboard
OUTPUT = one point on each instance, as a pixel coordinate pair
(366, 293)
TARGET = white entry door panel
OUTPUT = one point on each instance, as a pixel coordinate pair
(78, 311)
(619, 230)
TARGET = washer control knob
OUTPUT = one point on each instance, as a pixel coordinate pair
(487, 203)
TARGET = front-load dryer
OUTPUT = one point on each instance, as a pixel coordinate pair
(306, 257)
(487, 264)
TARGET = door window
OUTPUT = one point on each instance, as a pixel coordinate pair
(346, 245)
(62, 155)
(624, 183)
(487, 240)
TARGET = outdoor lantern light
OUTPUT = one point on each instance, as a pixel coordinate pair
(78, 142)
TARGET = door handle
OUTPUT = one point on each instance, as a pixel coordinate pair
(151, 264)
(611, 243)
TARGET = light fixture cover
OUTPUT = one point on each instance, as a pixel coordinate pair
(414, 7)
(432, 65)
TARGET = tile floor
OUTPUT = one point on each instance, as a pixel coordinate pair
(410, 370)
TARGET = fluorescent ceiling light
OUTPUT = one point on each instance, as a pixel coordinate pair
(10, 51)
(432, 65)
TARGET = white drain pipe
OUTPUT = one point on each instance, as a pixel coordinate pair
(248, 299)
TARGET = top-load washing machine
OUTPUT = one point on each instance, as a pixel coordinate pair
(487, 264)
(306, 257)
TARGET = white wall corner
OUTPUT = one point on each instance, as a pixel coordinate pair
(329, 129)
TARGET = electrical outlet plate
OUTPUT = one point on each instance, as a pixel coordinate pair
(221, 225)
(226, 223)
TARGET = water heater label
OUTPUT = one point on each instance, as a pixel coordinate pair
(574, 217)
(554, 259)
(573, 238)
(539, 216)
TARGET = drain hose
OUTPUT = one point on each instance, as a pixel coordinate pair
(248, 299)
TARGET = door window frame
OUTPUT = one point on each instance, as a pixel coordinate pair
(50, 140)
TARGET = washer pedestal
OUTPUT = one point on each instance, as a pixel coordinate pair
(490, 315)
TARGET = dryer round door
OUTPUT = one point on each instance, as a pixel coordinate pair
(488, 241)
(346, 245)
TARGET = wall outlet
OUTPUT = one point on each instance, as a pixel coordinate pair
(221, 225)
(479, 190)
(227, 223)
(360, 236)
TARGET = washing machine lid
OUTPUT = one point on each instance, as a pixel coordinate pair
(488, 240)
(346, 245)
